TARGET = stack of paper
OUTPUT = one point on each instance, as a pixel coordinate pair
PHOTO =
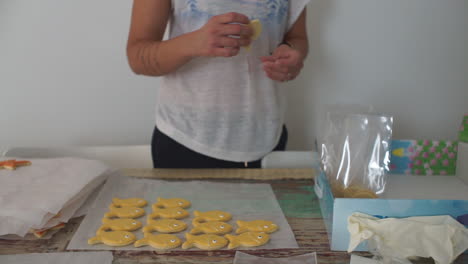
(46, 194)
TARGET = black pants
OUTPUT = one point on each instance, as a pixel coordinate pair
(168, 153)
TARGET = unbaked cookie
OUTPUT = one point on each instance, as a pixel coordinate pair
(171, 202)
(129, 202)
(248, 239)
(256, 26)
(112, 238)
(205, 242)
(214, 215)
(165, 226)
(217, 228)
(121, 224)
(161, 241)
(256, 226)
(174, 213)
(124, 212)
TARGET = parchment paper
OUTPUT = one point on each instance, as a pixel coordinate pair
(31, 196)
(355, 259)
(64, 216)
(243, 201)
(59, 258)
(243, 258)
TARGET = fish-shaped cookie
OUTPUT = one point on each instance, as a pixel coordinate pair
(174, 213)
(205, 241)
(216, 227)
(121, 224)
(248, 239)
(161, 241)
(129, 202)
(214, 215)
(13, 164)
(124, 212)
(165, 226)
(171, 202)
(256, 226)
(112, 238)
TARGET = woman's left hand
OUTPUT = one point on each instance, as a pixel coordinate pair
(284, 64)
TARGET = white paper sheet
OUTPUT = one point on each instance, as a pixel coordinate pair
(30, 196)
(59, 258)
(355, 259)
(65, 215)
(243, 258)
(243, 201)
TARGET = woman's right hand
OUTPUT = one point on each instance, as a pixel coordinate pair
(222, 36)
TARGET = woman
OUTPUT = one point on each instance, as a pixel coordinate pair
(220, 104)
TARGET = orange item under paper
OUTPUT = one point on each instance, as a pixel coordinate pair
(13, 164)
(39, 233)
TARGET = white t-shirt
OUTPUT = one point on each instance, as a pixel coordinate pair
(226, 108)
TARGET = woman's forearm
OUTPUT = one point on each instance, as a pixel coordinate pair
(156, 58)
(299, 43)
(297, 36)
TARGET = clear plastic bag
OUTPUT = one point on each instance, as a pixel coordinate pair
(355, 153)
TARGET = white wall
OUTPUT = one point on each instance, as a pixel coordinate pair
(64, 79)
(406, 58)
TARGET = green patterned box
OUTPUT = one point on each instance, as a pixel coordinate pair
(423, 157)
(463, 134)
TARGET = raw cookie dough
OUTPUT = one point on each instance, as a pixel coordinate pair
(129, 202)
(205, 242)
(256, 26)
(175, 213)
(124, 212)
(256, 226)
(217, 228)
(121, 224)
(171, 202)
(248, 239)
(112, 238)
(214, 215)
(165, 226)
(161, 241)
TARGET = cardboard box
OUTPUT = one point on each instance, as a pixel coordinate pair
(405, 196)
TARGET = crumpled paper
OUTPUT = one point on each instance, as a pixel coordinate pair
(59, 258)
(395, 240)
(48, 191)
(243, 258)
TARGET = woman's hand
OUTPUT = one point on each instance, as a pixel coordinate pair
(284, 64)
(222, 36)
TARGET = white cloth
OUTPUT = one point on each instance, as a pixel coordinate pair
(226, 108)
(396, 240)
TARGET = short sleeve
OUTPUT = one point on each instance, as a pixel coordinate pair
(295, 9)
